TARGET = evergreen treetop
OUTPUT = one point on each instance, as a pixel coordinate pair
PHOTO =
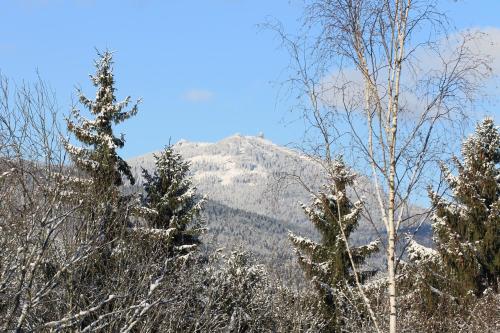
(467, 227)
(327, 263)
(98, 156)
(170, 204)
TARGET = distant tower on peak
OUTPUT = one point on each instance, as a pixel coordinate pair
(260, 135)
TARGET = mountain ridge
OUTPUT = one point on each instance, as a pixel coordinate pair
(247, 165)
(245, 179)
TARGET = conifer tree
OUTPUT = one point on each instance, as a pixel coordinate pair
(467, 227)
(98, 156)
(102, 217)
(171, 206)
(327, 263)
(104, 208)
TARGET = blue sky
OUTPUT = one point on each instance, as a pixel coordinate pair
(204, 69)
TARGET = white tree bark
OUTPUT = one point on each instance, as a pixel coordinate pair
(377, 40)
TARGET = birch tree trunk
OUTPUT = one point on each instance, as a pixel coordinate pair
(356, 69)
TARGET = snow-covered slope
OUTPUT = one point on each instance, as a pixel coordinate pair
(249, 205)
(242, 172)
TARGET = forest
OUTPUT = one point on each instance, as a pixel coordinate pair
(90, 244)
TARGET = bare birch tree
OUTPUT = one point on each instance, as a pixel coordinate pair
(386, 83)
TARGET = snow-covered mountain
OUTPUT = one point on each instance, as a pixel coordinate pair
(243, 172)
(250, 205)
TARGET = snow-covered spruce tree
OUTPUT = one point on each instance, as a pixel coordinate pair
(327, 263)
(98, 158)
(102, 218)
(467, 227)
(170, 205)
(422, 281)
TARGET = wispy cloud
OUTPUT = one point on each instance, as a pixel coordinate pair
(198, 95)
(419, 84)
(489, 44)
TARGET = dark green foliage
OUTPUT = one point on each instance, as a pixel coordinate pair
(102, 167)
(327, 263)
(467, 227)
(170, 205)
(99, 158)
(104, 214)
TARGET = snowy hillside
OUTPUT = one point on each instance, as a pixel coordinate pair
(239, 174)
(242, 171)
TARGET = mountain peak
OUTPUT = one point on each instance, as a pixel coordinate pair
(238, 136)
(242, 164)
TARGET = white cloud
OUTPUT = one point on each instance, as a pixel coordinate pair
(481, 43)
(198, 95)
(489, 44)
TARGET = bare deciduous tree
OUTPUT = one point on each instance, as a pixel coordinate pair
(385, 83)
(33, 212)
